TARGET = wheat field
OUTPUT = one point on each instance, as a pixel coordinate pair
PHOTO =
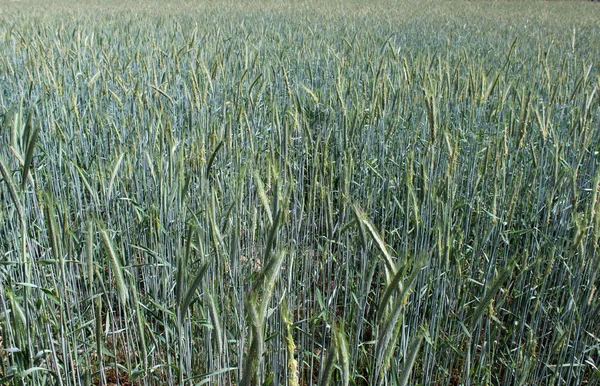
(290, 193)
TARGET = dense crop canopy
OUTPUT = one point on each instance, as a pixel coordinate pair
(368, 193)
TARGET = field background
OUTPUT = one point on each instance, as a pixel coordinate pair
(277, 192)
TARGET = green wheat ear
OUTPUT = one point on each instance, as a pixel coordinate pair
(115, 263)
(257, 303)
(11, 188)
(32, 137)
(290, 345)
(329, 365)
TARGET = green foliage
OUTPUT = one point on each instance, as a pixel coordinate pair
(277, 192)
